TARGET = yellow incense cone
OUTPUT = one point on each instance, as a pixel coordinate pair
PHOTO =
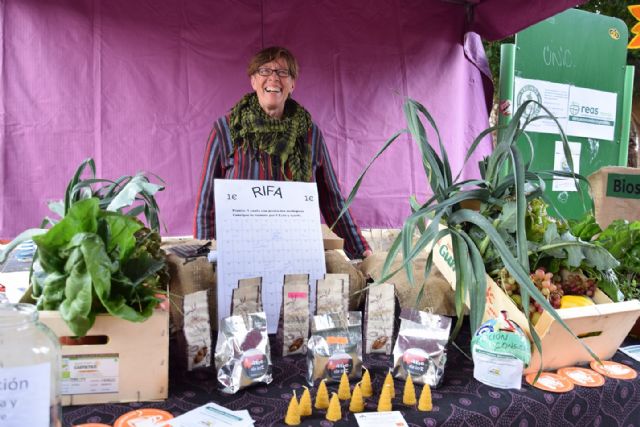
(334, 413)
(293, 412)
(322, 396)
(305, 403)
(425, 403)
(344, 392)
(409, 394)
(384, 403)
(365, 386)
(357, 403)
(388, 381)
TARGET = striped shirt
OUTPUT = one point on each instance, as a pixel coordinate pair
(223, 160)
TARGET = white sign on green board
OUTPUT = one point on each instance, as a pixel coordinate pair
(580, 111)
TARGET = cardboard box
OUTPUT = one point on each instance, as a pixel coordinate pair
(124, 362)
(331, 239)
(602, 327)
(616, 194)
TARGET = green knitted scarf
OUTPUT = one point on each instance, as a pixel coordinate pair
(285, 139)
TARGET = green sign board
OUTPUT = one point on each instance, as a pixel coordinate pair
(623, 186)
(575, 65)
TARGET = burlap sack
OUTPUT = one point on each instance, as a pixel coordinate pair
(438, 296)
(338, 263)
(193, 276)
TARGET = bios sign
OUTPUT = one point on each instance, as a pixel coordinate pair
(623, 186)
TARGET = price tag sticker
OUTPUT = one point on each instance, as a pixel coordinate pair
(89, 374)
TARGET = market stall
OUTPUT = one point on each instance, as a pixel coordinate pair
(98, 259)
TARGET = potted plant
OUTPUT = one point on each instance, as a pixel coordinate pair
(506, 237)
(98, 257)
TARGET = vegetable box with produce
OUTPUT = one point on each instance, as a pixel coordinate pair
(98, 257)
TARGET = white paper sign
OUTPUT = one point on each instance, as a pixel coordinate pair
(89, 374)
(580, 111)
(25, 394)
(267, 229)
(560, 164)
(592, 113)
(554, 96)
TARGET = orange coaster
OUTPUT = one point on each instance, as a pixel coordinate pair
(143, 417)
(550, 382)
(582, 376)
(614, 370)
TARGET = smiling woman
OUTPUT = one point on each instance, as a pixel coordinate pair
(269, 136)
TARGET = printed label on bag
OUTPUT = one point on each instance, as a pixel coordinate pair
(415, 361)
(90, 374)
(338, 364)
(25, 395)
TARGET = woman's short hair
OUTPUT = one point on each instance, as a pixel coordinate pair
(271, 54)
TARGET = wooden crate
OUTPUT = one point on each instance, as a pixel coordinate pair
(602, 327)
(138, 352)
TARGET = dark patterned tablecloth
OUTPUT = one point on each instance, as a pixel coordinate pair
(460, 401)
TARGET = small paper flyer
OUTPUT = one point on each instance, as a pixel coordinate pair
(560, 163)
(377, 419)
(212, 414)
(632, 351)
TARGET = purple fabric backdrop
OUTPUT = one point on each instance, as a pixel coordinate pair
(137, 85)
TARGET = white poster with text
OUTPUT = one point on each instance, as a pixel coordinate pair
(582, 112)
(592, 113)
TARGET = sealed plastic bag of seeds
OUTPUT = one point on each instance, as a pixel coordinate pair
(335, 347)
(420, 349)
(243, 354)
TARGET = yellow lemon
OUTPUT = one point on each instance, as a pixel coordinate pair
(569, 301)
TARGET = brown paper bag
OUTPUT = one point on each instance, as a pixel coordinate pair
(186, 278)
(438, 297)
(338, 263)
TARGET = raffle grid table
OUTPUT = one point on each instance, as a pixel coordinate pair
(267, 229)
(460, 401)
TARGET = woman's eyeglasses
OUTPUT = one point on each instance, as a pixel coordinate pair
(264, 71)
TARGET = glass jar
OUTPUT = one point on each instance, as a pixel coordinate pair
(29, 369)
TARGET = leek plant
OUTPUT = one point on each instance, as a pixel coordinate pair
(505, 189)
(128, 195)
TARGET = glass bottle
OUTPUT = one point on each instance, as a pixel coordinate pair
(29, 369)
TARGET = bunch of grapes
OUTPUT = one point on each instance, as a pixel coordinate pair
(552, 290)
(576, 283)
(507, 282)
(543, 280)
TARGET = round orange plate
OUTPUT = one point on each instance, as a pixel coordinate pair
(582, 376)
(614, 370)
(92, 425)
(143, 417)
(551, 382)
